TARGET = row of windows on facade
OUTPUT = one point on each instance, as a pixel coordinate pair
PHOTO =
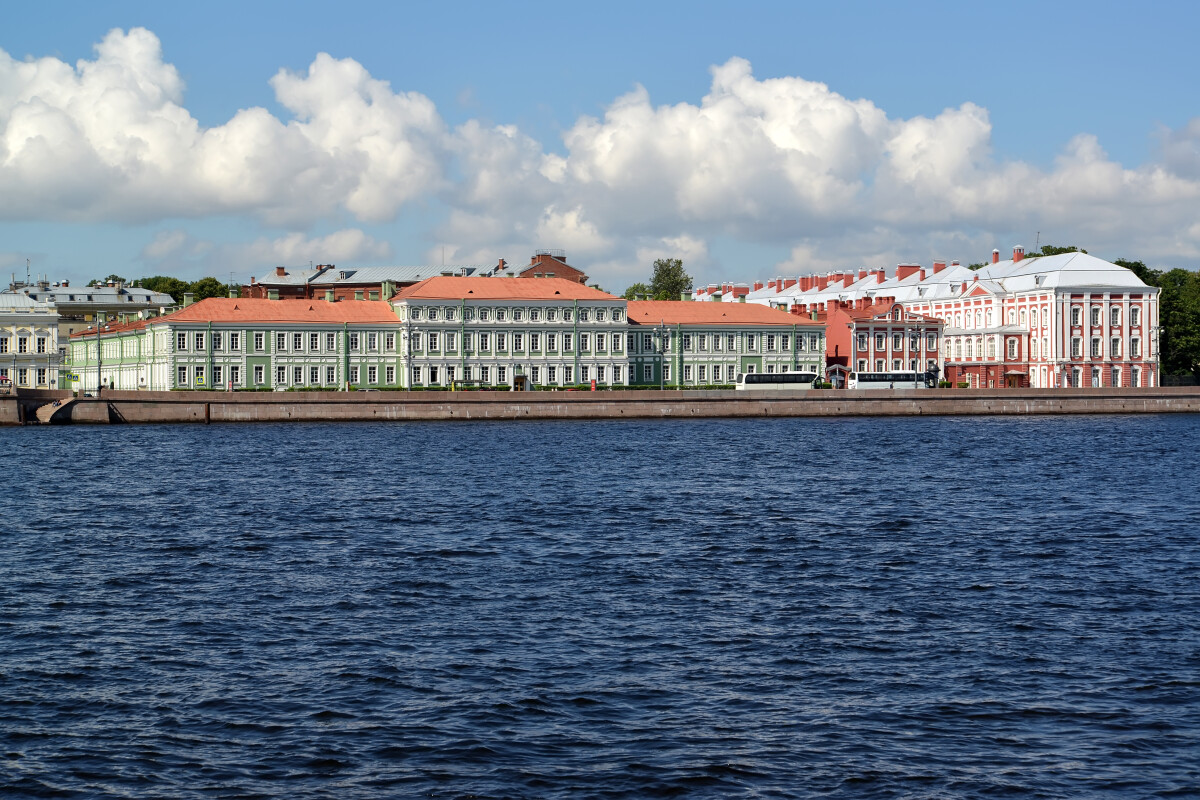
(482, 342)
(976, 345)
(432, 375)
(897, 341)
(1074, 378)
(982, 318)
(702, 342)
(450, 314)
(897, 365)
(22, 376)
(40, 344)
(232, 342)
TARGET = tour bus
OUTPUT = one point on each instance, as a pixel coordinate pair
(776, 380)
(897, 379)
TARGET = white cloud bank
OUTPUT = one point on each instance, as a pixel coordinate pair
(782, 161)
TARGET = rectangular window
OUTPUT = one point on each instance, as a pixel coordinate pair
(751, 342)
(181, 341)
(1076, 314)
(483, 342)
(4, 347)
(535, 343)
(372, 374)
(1095, 315)
(583, 343)
(451, 341)
(702, 371)
(702, 342)
(416, 375)
(647, 372)
(450, 374)
(896, 365)
(235, 375)
(22, 344)
(647, 343)
(616, 342)
(181, 376)
(331, 342)
(314, 376)
(567, 373)
(616, 367)
(501, 342)
(297, 375)
(583, 316)
(389, 376)
(717, 373)
(353, 341)
(484, 374)
(451, 313)
(785, 343)
(583, 374)
(297, 342)
(568, 342)
(666, 373)
(41, 347)
(600, 342)
(433, 342)
(880, 341)
(216, 375)
(389, 342)
(280, 376)
(551, 343)
(862, 365)
(534, 315)
(599, 369)
(687, 373)
(687, 343)
(353, 375)
(314, 342)
(330, 375)
(731, 340)
(1135, 348)
(1115, 348)
(1076, 347)
(501, 374)
(1095, 347)
(1135, 316)
(259, 344)
(631, 343)
(518, 342)
(897, 341)
(551, 374)
(879, 365)
(535, 375)
(1012, 348)
(280, 342)
(23, 377)
(518, 315)
(770, 370)
(717, 342)
(259, 375)
(217, 340)
(770, 343)
(500, 315)
(931, 341)
(373, 342)
(484, 315)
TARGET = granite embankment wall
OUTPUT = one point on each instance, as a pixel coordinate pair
(149, 407)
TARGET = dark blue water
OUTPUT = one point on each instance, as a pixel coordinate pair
(782, 608)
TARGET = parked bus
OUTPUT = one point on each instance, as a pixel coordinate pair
(900, 379)
(776, 380)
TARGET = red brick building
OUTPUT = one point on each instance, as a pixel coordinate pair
(875, 335)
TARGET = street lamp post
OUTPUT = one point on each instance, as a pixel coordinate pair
(660, 334)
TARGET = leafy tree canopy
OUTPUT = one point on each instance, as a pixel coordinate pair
(114, 278)
(669, 281)
(201, 289)
(1054, 250)
(637, 289)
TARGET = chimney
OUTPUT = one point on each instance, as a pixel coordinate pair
(955, 264)
(1018, 253)
(822, 282)
(906, 270)
(758, 285)
(741, 298)
(329, 295)
(280, 272)
(862, 273)
(500, 266)
(995, 256)
(938, 266)
(272, 294)
(233, 292)
(685, 296)
(880, 276)
(848, 280)
(964, 287)
(188, 299)
(922, 274)
(789, 283)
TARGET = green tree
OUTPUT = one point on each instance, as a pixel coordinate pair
(637, 289)
(1054, 250)
(208, 287)
(1178, 315)
(669, 281)
(166, 285)
(114, 278)
(977, 265)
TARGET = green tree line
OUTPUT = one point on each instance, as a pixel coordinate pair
(201, 289)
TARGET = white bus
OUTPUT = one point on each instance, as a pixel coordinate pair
(776, 380)
(900, 379)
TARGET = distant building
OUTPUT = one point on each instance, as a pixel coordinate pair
(511, 332)
(328, 282)
(680, 343)
(549, 264)
(29, 355)
(1064, 320)
(78, 308)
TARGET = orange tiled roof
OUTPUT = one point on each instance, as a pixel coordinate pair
(113, 327)
(684, 312)
(447, 287)
(255, 309)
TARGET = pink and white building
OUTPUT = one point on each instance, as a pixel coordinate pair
(1050, 321)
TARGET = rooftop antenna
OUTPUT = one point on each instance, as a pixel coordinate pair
(1037, 246)
(27, 272)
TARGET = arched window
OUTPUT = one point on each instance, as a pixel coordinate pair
(1114, 316)
(1022, 317)
(991, 347)
(970, 348)
(1033, 318)
(1033, 348)
(958, 349)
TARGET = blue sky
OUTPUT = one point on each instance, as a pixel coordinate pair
(759, 139)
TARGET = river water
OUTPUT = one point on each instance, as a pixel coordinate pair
(713, 608)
